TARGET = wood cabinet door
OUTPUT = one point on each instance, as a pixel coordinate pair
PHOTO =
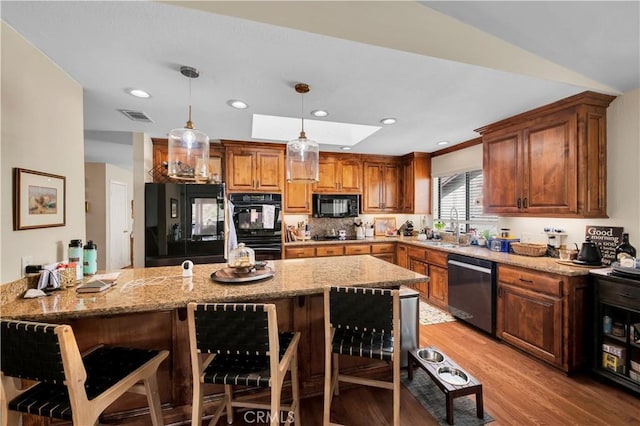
(327, 176)
(270, 170)
(391, 173)
(530, 321)
(502, 172)
(401, 256)
(350, 176)
(420, 267)
(438, 286)
(550, 151)
(241, 166)
(408, 187)
(297, 198)
(372, 194)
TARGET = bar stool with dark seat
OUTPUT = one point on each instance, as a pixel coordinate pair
(70, 386)
(363, 322)
(239, 344)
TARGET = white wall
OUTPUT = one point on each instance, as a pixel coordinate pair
(623, 178)
(42, 125)
(109, 147)
(142, 163)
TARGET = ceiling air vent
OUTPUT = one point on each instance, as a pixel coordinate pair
(136, 115)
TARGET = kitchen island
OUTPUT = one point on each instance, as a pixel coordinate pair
(147, 309)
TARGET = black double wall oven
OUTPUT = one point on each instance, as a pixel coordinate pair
(257, 219)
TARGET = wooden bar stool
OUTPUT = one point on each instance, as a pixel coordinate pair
(70, 386)
(363, 322)
(239, 344)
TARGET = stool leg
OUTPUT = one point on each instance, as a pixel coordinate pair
(228, 391)
(328, 374)
(479, 404)
(449, 409)
(336, 372)
(153, 399)
(276, 389)
(396, 391)
(196, 407)
(295, 389)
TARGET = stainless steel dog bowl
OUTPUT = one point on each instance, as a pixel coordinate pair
(431, 355)
(453, 375)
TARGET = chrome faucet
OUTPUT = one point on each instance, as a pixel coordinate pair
(455, 224)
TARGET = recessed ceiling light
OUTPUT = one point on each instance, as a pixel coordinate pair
(345, 148)
(319, 113)
(139, 93)
(237, 104)
(443, 143)
(388, 121)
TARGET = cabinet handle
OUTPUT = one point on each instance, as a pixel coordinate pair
(519, 203)
(526, 281)
(499, 291)
(525, 203)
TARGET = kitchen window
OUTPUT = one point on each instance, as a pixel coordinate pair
(464, 192)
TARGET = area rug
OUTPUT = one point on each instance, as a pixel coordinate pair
(432, 315)
(432, 398)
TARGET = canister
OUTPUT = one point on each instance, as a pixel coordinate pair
(75, 256)
(90, 258)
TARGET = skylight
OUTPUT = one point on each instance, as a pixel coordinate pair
(272, 127)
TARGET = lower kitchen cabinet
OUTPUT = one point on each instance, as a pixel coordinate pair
(543, 314)
(384, 251)
(432, 263)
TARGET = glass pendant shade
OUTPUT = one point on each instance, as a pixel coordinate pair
(303, 155)
(302, 160)
(188, 156)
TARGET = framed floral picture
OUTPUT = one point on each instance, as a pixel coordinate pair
(384, 226)
(39, 199)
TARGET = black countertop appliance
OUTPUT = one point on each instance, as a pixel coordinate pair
(184, 222)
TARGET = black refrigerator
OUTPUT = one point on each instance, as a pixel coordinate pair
(184, 222)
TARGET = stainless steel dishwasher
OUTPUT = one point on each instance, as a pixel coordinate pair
(409, 319)
(472, 291)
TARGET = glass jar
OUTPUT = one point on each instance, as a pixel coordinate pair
(242, 257)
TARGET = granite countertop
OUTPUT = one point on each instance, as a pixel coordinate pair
(544, 264)
(164, 288)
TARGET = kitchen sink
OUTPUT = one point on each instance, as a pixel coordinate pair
(442, 244)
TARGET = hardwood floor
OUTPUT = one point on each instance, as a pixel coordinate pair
(517, 389)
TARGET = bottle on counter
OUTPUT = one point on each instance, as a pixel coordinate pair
(75, 256)
(90, 258)
(625, 247)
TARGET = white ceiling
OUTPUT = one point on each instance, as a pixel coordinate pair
(442, 68)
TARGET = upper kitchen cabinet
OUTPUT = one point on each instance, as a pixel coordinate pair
(161, 155)
(339, 174)
(382, 186)
(550, 161)
(416, 183)
(297, 198)
(255, 168)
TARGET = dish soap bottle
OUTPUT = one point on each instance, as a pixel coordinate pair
(625, 247)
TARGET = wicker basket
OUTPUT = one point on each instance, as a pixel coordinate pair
(529, 249)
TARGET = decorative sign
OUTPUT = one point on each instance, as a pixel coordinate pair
(607, 238)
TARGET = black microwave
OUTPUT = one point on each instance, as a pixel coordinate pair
(336, 205)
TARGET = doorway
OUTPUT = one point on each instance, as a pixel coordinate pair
(119, 232)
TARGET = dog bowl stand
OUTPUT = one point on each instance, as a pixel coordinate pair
(451, 391)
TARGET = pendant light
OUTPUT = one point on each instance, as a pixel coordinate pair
(188, 155)
(302, 153)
